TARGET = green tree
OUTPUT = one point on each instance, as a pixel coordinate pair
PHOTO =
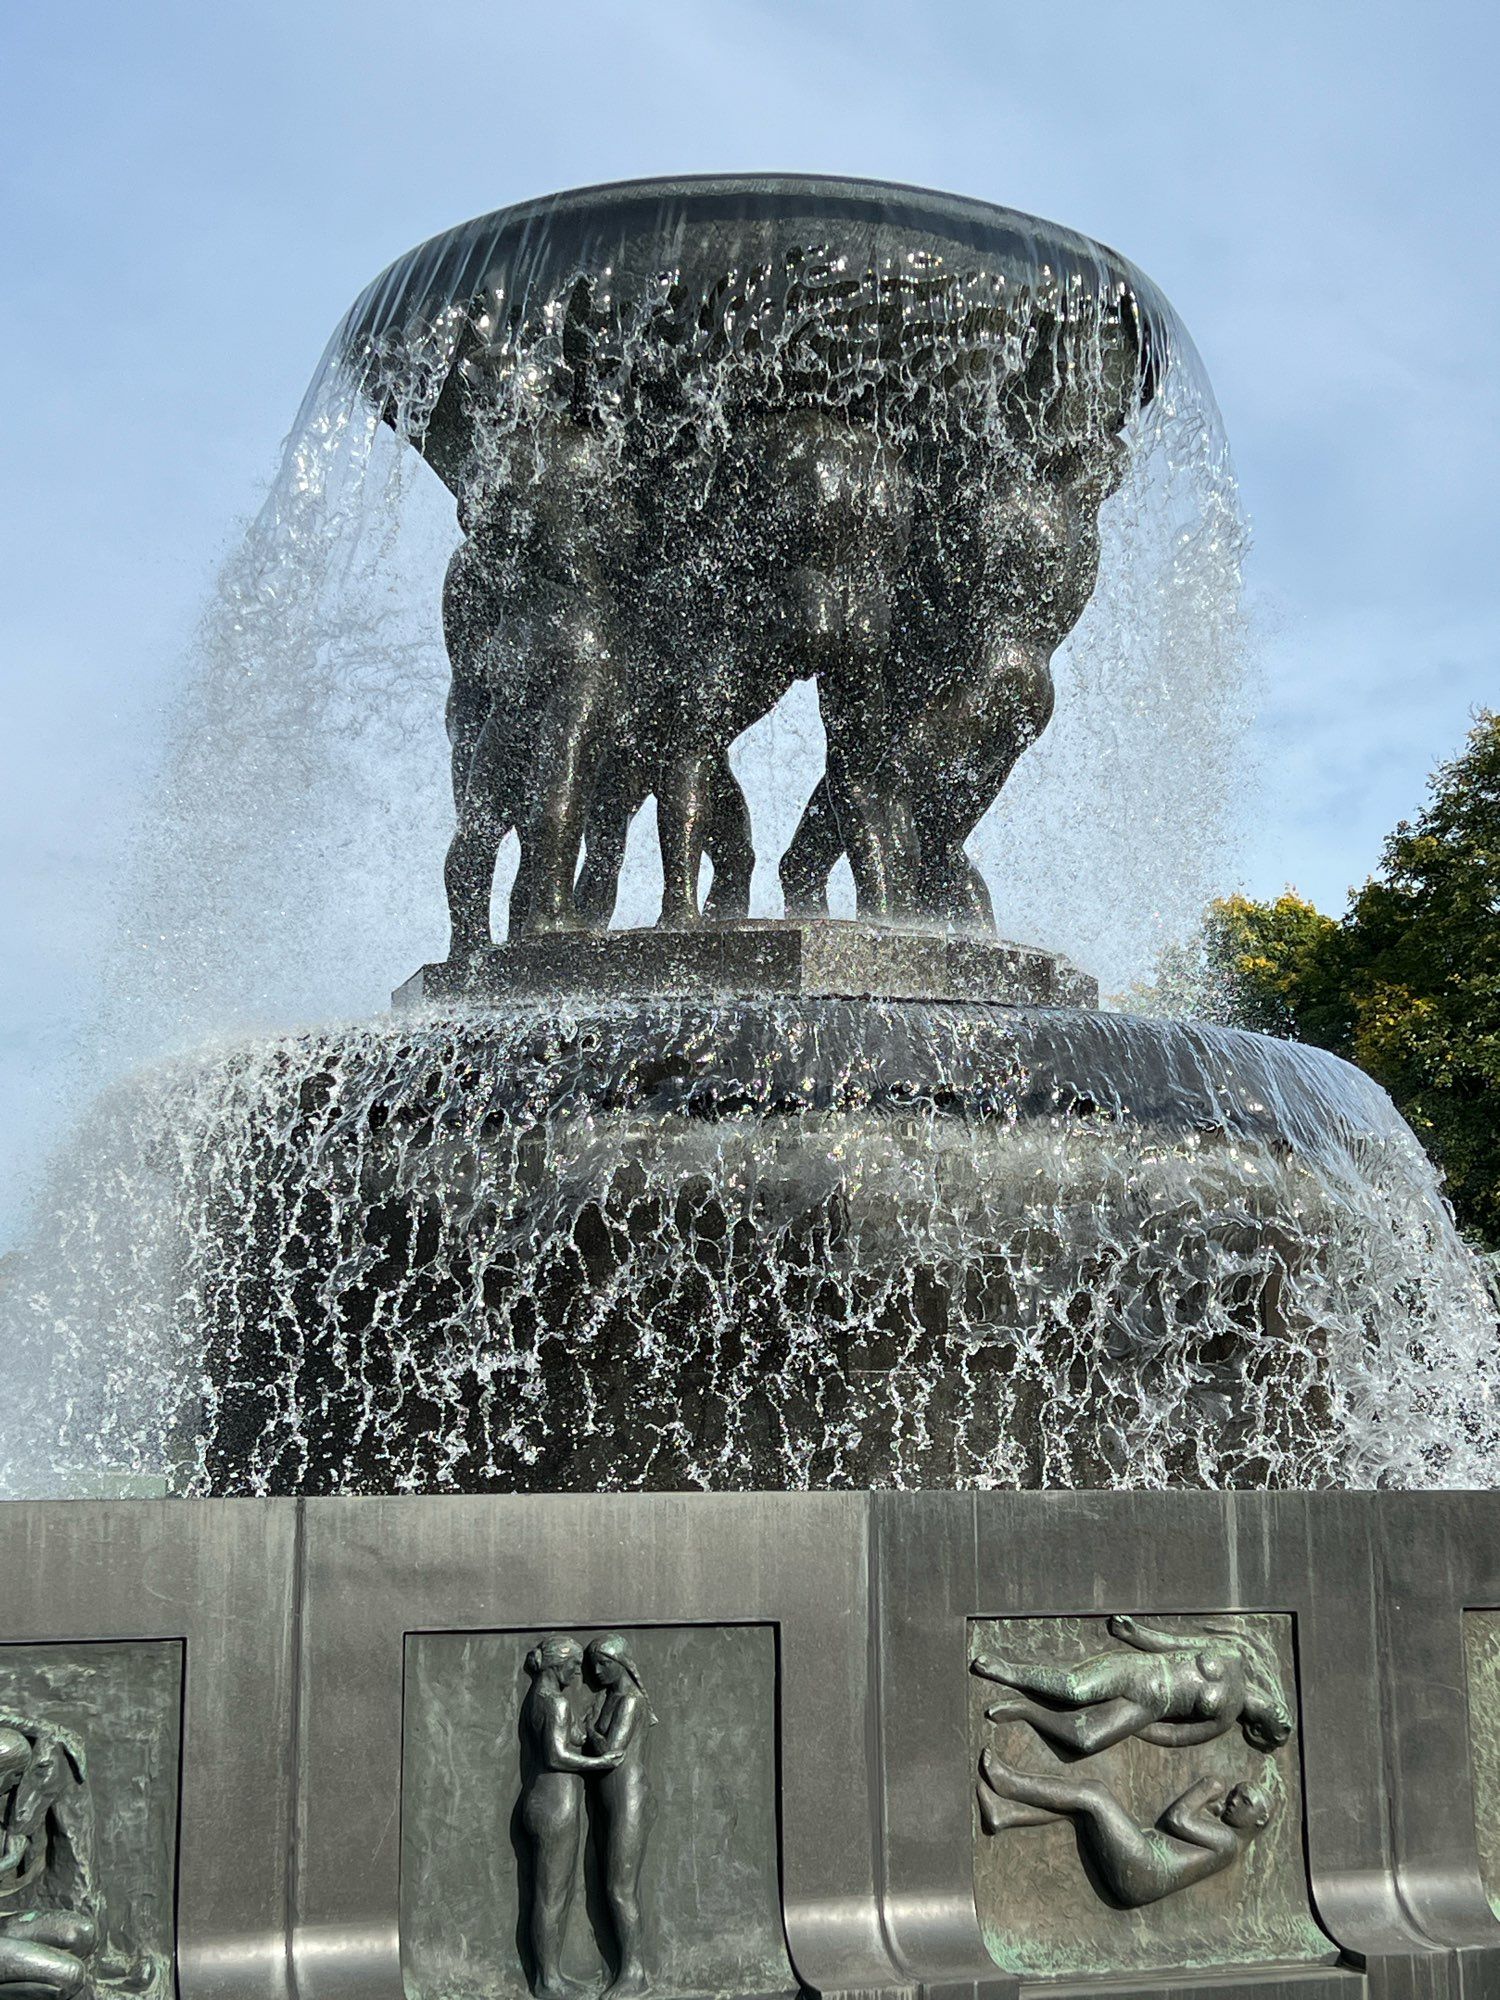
(1279, 967)
(1407, 983)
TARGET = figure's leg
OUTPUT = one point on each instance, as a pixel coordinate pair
(1105, 1677)
(470, 612)
(1083, 1799)
(866, 787)
(473, 613)
(629, 1824)
(486, 810)
(959, 754)
(598, 883)
(682, 812)
(467, 711)
(811, 855)
(552, 1896)
(1129, 1858)
(970, 898)
(951, 887)
(1048, 1791)
(473, 608)
(582, 670)
(606, 834)
(731, 845)
(64, 1930)
(1086, 1730)
(30, 1965)
(997, 1815)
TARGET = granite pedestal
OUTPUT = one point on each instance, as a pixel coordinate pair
(759, 957)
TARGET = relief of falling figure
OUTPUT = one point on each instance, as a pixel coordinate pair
(1201, 1833)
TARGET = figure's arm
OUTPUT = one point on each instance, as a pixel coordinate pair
(1185, 1816)
(559, 1752)
(33, 1864)
(1182, 1735)
(1151, 1638)
(623, 1725)
(34, 1795)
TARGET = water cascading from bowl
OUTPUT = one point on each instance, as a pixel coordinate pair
(762, 1244)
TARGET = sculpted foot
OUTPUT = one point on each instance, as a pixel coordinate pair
(629, 1983)
(998, 1815)
(463, 949)
(996, 1774)
(802, 897)
(728, 905)
(988, 1668)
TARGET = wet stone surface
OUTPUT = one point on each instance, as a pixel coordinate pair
(850, 960)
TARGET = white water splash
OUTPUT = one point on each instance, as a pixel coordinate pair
(769, 1244)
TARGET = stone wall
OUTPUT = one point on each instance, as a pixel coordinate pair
(968, 1746)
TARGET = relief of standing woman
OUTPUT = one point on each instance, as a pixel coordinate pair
(561, 1755)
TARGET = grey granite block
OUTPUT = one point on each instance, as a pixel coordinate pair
(848, 959)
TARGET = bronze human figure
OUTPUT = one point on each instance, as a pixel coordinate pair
(1200, 1834)
(54, 1929)
(832, 505)
(43, 1951)
(513, 676)
(531, 621)
(1167, 1688)
(622, 1726)
(1005, 556)
(553, 1767)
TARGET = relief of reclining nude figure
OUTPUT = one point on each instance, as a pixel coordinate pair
(1201, 1833)
(1168, 1688)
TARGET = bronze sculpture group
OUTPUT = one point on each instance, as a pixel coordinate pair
(638, 587)
(562, 1754)
(1171, 1689)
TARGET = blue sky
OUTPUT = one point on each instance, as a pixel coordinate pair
(194, 192)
